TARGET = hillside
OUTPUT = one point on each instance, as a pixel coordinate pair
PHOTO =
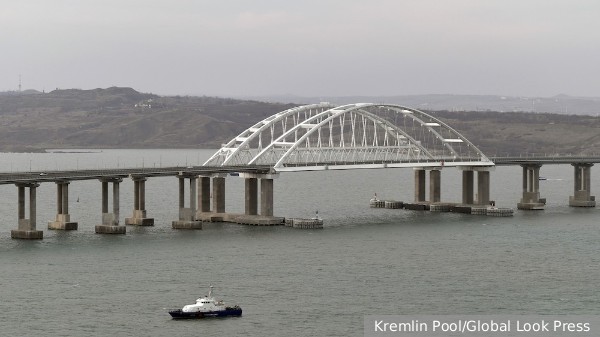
(124, 118)
(562, 104)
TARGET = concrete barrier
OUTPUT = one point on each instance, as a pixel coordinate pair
(304, 223)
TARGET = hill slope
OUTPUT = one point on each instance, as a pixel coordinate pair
(124, 118)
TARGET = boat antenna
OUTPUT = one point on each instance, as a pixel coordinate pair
(210, 291)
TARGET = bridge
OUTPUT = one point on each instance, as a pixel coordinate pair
(304, 138)
(354, 136)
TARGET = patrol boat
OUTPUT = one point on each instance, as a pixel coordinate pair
(206, 306)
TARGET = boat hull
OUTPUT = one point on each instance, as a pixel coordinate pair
(180, 314)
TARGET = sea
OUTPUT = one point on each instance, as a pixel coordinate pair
(290, 282)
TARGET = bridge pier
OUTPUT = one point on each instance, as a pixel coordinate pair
(251, 196)
(266, 196)
(483, 185)
(435, 186)
(187, 215)
(204, 194)
(435, 181)
(110, 221)
(420, 181)
(218, 194)
(218, 213)
(582, 188)
(467, 187)
(139, 204)
(63, 219)
(27, 227)
(252, 214)
(531, 188)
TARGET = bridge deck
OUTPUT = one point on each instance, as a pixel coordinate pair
(545, 160)
(69, 175)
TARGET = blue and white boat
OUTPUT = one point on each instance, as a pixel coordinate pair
(206, 306)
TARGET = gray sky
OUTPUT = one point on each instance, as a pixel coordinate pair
(304, 47)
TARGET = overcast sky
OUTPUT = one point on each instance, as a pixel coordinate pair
(304, 47)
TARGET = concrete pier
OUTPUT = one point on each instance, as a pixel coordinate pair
(483, 184)
(187, 215)
(204, 194)
(218, 194)
(63, 219)
(483, 187)
(251, 215)
(467, 187)
(420, 185)
(110, 221)
(266, 196)
(435, 184)
(251, 196)
(27, 227)
(139, 217)
(531, 188)
(435, 181)
(582, 187)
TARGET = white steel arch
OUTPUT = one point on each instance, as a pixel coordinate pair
(362, 135)
(247, 144)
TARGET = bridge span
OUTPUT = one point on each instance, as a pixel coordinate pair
(305, 138)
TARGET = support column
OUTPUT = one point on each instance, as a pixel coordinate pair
(21, 201)
(116, 201)
(136, 194)
(266, 197)
(252, 214)
(63, 219)
(419, 185)
(59, 201)
(251, 196)
(218, 194)
(582, 186)
(435, 181)
(110, 221)
(531, 188)
(467, 187)
(142, 195)
(204, 194)
(181, 192)
(104, 197)
(193, 194)
(483, 187)
(26, 227)
(187, 215)
(139, 217)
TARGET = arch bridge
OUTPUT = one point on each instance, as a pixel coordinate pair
(353, 136)
(304, 138)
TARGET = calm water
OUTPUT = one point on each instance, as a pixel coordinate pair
(291, 282)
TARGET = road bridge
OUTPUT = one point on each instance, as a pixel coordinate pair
(305, 138)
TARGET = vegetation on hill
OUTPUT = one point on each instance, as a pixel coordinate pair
(124, 118)
(526, 133)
